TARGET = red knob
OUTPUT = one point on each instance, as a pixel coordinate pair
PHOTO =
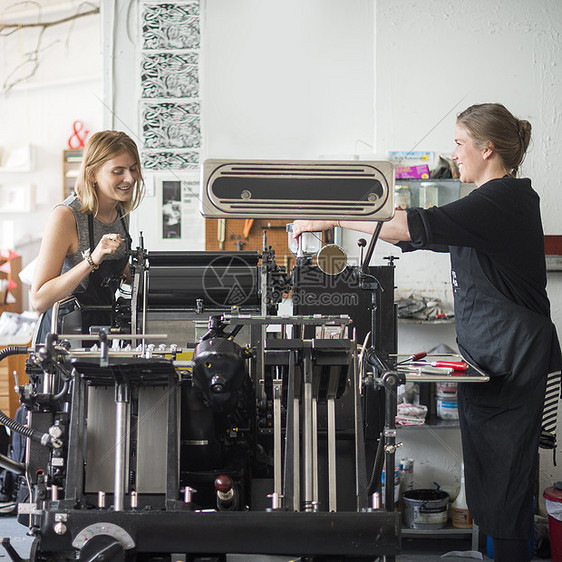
(223, 483)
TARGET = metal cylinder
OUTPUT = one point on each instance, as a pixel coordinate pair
(101, 499)
(275, 500)
(187, 494)
(307, 428)
(120, 474)
(277, 437)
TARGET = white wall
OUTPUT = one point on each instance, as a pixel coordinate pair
(287, 79)
(42, 110)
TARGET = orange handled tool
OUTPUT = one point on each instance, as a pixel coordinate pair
(414, 357)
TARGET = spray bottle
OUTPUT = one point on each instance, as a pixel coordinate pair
(459, 509)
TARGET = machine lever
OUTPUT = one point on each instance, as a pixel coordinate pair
(14, 556)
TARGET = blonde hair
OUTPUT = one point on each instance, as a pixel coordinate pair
(101, 147)
(493, 123)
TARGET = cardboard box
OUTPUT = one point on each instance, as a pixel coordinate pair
(412, 172)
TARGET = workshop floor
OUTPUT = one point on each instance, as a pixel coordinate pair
(413, 550)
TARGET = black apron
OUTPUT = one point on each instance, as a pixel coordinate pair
(500, 420)
(79, 315)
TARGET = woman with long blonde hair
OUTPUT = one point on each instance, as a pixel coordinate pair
(86, 242)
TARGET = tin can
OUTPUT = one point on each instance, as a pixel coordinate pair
(425, 509)
(447, 409)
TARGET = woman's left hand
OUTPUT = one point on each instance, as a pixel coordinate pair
(301, 226)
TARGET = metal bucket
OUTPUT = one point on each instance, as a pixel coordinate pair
(425, 509)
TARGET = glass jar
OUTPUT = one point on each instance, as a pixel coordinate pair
(402, 196)
(429, 195)
(311, 241)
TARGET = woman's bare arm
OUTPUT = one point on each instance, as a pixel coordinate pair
(393, 230)
(59, 240)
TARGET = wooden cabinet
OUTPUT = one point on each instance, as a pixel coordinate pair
(9, 399)
(71, 160)
(16, 292)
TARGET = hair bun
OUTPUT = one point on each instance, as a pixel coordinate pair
(524, 131)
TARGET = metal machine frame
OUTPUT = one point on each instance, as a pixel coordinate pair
(295, 382)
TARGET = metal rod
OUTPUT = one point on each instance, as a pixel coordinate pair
(315, 451)
(120, 474)
(307, 443)
(341, 320)
(54, 317)
(277, 390)
(115, 336)
(55, 312)
(389, 443)
(144, 305)
(371, 248)
(296, 459)
(291, 468)
(134, 302)
(360, 462)
(332, 485)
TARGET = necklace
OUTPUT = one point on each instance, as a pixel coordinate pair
(113, 214)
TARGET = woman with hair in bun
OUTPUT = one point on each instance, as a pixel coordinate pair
(85, 246)
(495, 240)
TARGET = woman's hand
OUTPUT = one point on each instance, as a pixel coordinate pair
(107, 246)
(301, 226)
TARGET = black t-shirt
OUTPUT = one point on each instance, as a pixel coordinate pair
(501, 221)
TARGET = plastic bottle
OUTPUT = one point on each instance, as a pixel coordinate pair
(460, 515)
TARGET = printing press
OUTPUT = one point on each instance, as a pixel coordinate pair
(201, 422)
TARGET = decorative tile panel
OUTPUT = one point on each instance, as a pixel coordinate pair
(170, 119)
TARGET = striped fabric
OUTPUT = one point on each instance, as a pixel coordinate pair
(550, 411)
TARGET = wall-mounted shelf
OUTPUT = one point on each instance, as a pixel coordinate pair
(432, 422)
(17, 161)
(445, 533)
(71, 161)
(426, 322)
(449, 189)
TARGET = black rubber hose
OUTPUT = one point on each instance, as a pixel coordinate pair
(43, 438)
(12, 465)
(13, 350)
(377, 468)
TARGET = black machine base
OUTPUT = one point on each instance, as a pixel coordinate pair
(316, 536)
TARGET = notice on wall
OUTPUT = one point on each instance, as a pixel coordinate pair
(181, 218)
